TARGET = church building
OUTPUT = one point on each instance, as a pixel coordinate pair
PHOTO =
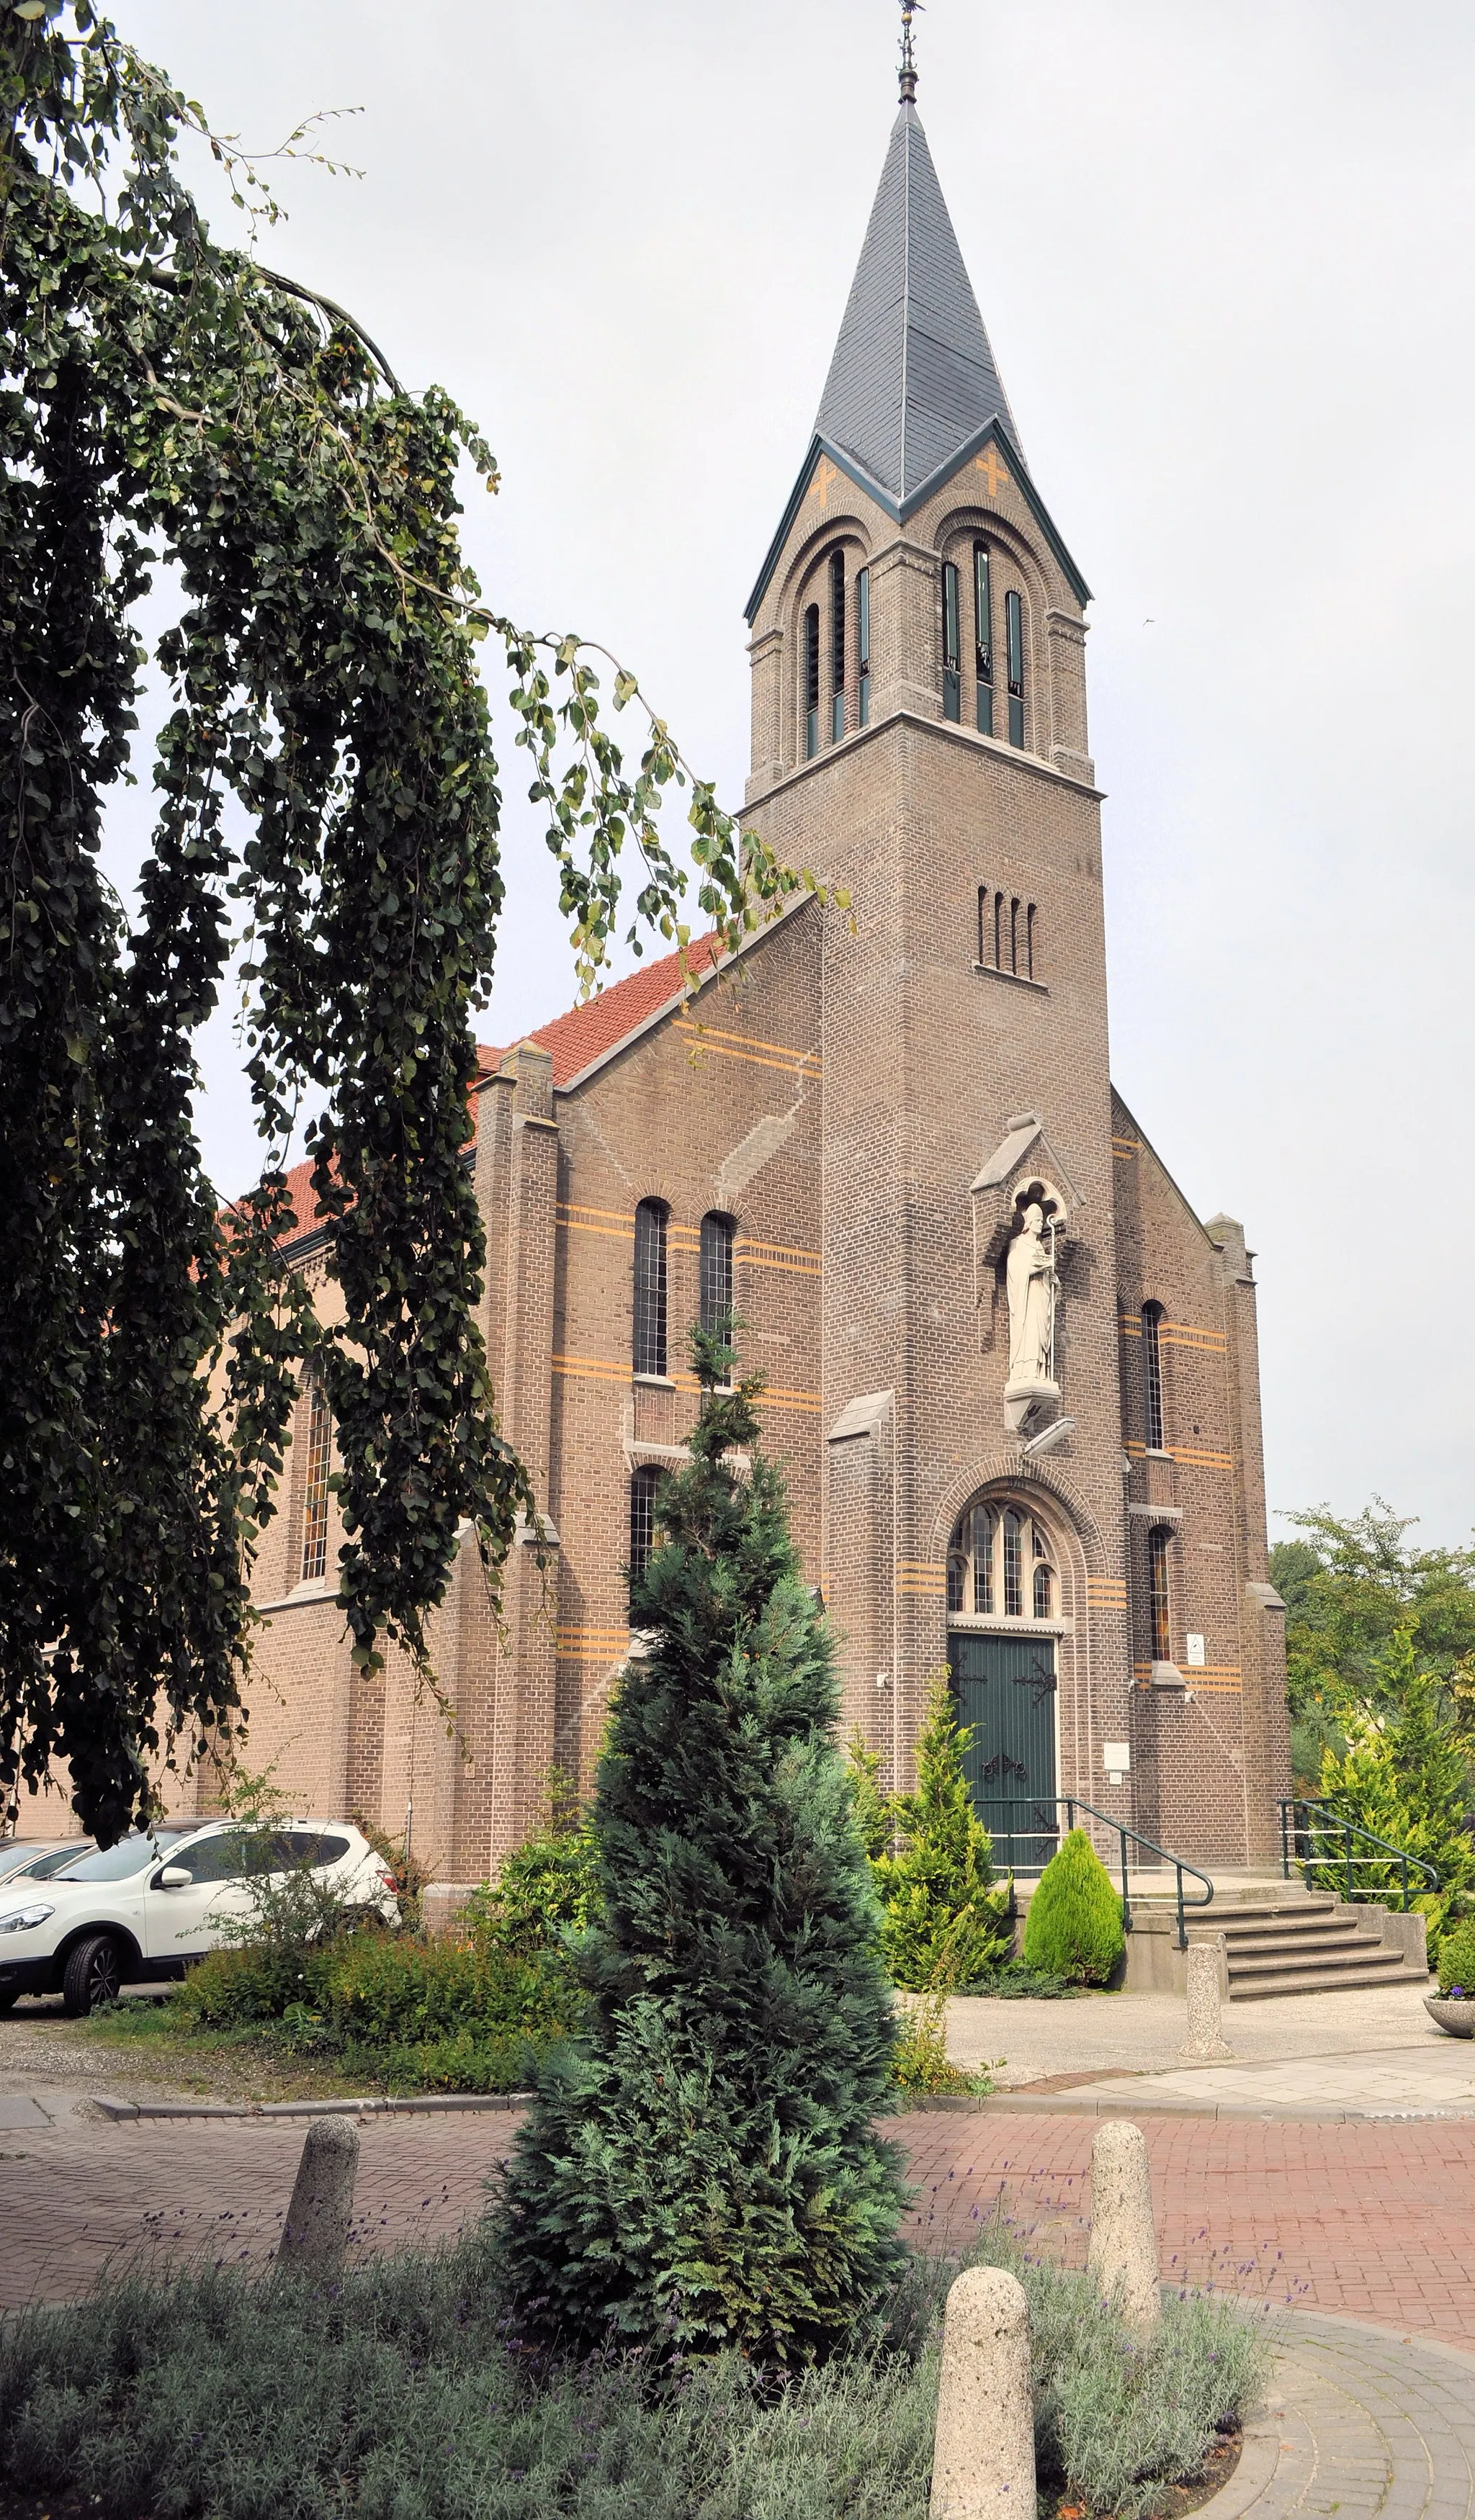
(1012, 1378)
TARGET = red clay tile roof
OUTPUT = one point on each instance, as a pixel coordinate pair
(585, 1033)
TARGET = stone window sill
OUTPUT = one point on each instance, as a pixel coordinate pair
(1016, 980)
(653, 1382)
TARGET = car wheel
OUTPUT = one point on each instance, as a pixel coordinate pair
(94, 1974)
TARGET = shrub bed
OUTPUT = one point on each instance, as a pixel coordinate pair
(415, 2015)
(407, 2393)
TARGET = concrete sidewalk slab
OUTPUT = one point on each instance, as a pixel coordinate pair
(1088, 2035)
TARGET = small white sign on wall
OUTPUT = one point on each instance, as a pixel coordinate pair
(1194, 1646)
(1115, 1759)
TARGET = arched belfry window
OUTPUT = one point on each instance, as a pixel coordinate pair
(1001, 1564)
(1014, 660)
(952, 654)
(650, 1286)
(1152, 1377)
(643, 1486)
(982, 637)
(811, 681)
(837, 646)
(716, 1269)
(863, 647)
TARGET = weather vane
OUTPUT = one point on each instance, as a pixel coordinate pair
(908, 81)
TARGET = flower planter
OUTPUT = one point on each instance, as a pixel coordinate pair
(1453, 2013)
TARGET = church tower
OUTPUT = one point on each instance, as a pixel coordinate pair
(919, 741)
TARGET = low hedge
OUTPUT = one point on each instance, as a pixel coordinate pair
(427, 2014)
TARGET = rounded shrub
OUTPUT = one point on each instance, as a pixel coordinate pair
(1074, 1923)
(1457, 1959)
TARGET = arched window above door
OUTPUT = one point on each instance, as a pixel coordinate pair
(1001, 1564)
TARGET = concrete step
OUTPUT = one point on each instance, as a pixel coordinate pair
(1369, 1963)
(1323, 1982)
(1330, 1941)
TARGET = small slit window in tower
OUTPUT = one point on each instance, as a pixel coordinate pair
(1152, 1376)
(1014, 937)
(983, 634)
(998, 931)
(1030, 936)
(863, 647)
(1157, 1594)
(650, 1287)
(716, 1292)
(315, 1485)
(985, 953)
(811, 681)
(952, 689)
(1014, 641)
(837, 646)
(1014, 1591)
(643, 1486)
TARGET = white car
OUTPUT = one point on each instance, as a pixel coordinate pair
(38, 1858)
(158, 1900)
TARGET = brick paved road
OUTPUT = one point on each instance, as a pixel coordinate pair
(1376, 2220)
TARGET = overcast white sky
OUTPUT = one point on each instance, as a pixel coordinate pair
(1224, 257)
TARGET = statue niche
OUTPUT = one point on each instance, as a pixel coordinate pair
(1032, 1285)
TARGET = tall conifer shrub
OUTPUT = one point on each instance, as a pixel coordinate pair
(701, 2171)
(945, 1922)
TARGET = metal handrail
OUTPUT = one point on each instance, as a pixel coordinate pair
(1069, 1804)
(1330, 1822)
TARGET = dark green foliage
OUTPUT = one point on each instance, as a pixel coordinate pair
(1349, 1585)
(702, 2171)
(169, 405)
(944, 1920)
(406, 2395)
(1016, 1979)
(1456, 1959)
(1074, 1923)
(439, 2015)
(1403, 1774)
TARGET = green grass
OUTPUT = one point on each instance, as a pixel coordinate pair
(402, 2394)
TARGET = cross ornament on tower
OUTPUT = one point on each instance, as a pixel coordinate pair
(908, 81)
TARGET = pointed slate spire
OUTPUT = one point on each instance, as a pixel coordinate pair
(913, 378)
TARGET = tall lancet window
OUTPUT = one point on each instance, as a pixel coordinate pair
(837, 646)
(650, 1287)
(863, 647)
(982, 637)
(1158, 1605)
(1014, 642)
(716, 1263)
(1152, 1376)
(811, 681)
(952, 686)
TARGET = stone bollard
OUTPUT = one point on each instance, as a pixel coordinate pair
(315, 2233)
(983, 2466)
(1206, 2032)
(1124, 2250)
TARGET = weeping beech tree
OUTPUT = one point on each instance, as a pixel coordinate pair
(173, 416)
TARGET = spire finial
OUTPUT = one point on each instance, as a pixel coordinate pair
(908, 81)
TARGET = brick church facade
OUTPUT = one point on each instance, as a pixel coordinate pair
(845, 1131)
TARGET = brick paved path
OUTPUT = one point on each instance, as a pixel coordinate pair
(1363, 2426)
(1376, 2220)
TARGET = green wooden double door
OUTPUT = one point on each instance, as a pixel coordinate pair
(1006, 1688)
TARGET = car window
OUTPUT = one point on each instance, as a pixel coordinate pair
(131, 1854)
(45, 1866)
(314, 1847)
(226, 1857)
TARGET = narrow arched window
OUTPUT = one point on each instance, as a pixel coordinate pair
(1014, 642)
(650, 1287)
(1156, 1596)
(1031, 934)
(1044, 1593)
(716, 1289)
(1014, 937)
(982, 637)
(1152, 1376)
(837, 646)
(982, 1561)
(985, 923)
(1014, 1589)
(643, 1486)
(998, 931)
(952, 701)
(811, 681)
(315, 1484)
(863, 647)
